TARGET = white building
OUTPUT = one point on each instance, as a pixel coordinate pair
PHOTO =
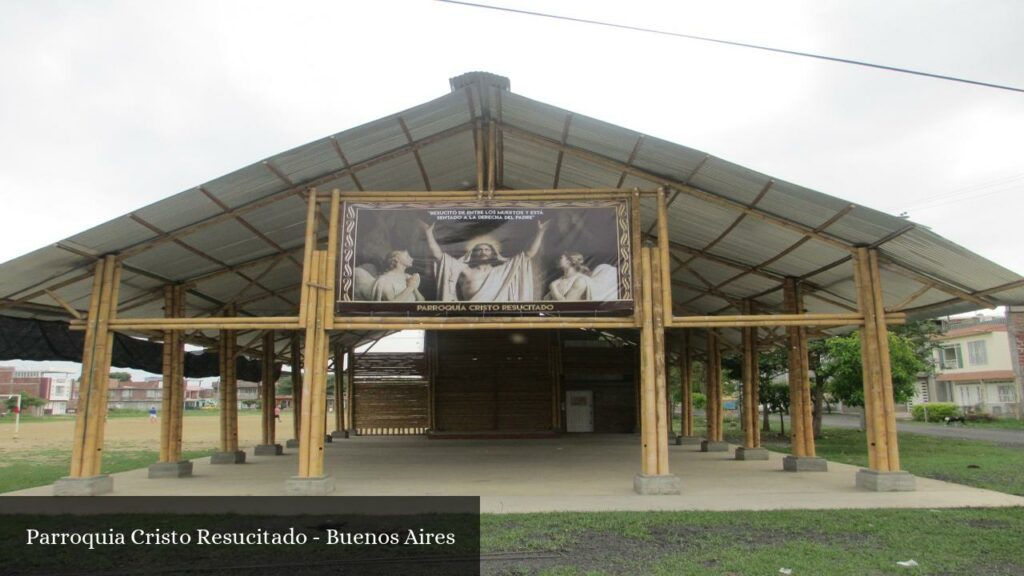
(974, 368)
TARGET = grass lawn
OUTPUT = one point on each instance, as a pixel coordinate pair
(47, 466)
(1004, 424)
(855, 542)
(968, 462)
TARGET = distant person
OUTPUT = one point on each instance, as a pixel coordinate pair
(152, 413)
(277, 412)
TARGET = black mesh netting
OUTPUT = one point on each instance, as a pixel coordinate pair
(25, 339)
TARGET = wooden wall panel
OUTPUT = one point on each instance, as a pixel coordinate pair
(609, 372)
(493, 381)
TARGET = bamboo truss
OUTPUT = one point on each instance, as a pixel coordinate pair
(314, 320)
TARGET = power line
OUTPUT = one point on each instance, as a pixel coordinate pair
(739, 44)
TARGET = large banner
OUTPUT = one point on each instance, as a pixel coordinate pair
(497, 258)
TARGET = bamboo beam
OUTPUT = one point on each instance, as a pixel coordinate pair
(941, 285)
(63, 303)
(415, 153)
(797, 373)
(774, 320)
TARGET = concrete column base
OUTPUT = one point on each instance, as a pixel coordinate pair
(315, 486)
(886, 481)
(657, 485)
(292, 443)
(181, 469)
(751, 453)
(804, 464)
(268, 450)
(688, 440)
(339, 434)
(328, 438)
(237, 457)
(87, 486)
(709, 446)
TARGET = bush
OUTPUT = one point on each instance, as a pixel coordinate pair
(700, 401)
(937, 411)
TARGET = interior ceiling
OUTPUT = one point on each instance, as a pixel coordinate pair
(735, 234)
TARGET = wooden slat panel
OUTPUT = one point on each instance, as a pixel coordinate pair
(391, 393)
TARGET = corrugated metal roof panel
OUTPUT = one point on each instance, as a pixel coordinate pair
(451, 165)
(401, 173)
(180, 210)
(25, 272)
(528, 166)
(601, 138)
(533, 116)
(308, 162)
(112, 236)
(437, 116)
(243, 186)
(937, 257)
(372, 139)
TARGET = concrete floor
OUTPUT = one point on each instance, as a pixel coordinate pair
(572, 472)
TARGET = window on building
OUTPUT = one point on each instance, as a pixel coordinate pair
(952, 357)
(976, 353)
(1007, 394)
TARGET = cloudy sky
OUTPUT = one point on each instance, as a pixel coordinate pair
(108, 106)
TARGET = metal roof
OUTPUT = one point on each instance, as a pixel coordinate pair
(735, 233)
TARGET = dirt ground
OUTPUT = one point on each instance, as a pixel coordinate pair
(199, 432)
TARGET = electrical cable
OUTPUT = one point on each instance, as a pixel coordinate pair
(738, 44)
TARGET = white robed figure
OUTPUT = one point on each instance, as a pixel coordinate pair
(483, 274)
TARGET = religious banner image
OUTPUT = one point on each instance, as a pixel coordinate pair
(496, 258)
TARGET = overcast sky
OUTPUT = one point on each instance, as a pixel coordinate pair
(106, 107)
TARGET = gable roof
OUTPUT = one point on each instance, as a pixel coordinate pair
(735, 233)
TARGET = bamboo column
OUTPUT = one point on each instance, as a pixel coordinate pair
(655, 477)
(85, 477)
(803, 458)
(178, 379)
(227, 356)
(170, 464)
(296, 363)
(686, 387)
(883, 473)
(268, 406)
(751, 449)
(339, 399)
(350, 389)
(314, 393)
(167, 396)
(713, 411)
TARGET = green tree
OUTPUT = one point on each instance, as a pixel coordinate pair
(121, 376)
(842, 366)
(772, 364)
(284, 385)
(27, 401)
